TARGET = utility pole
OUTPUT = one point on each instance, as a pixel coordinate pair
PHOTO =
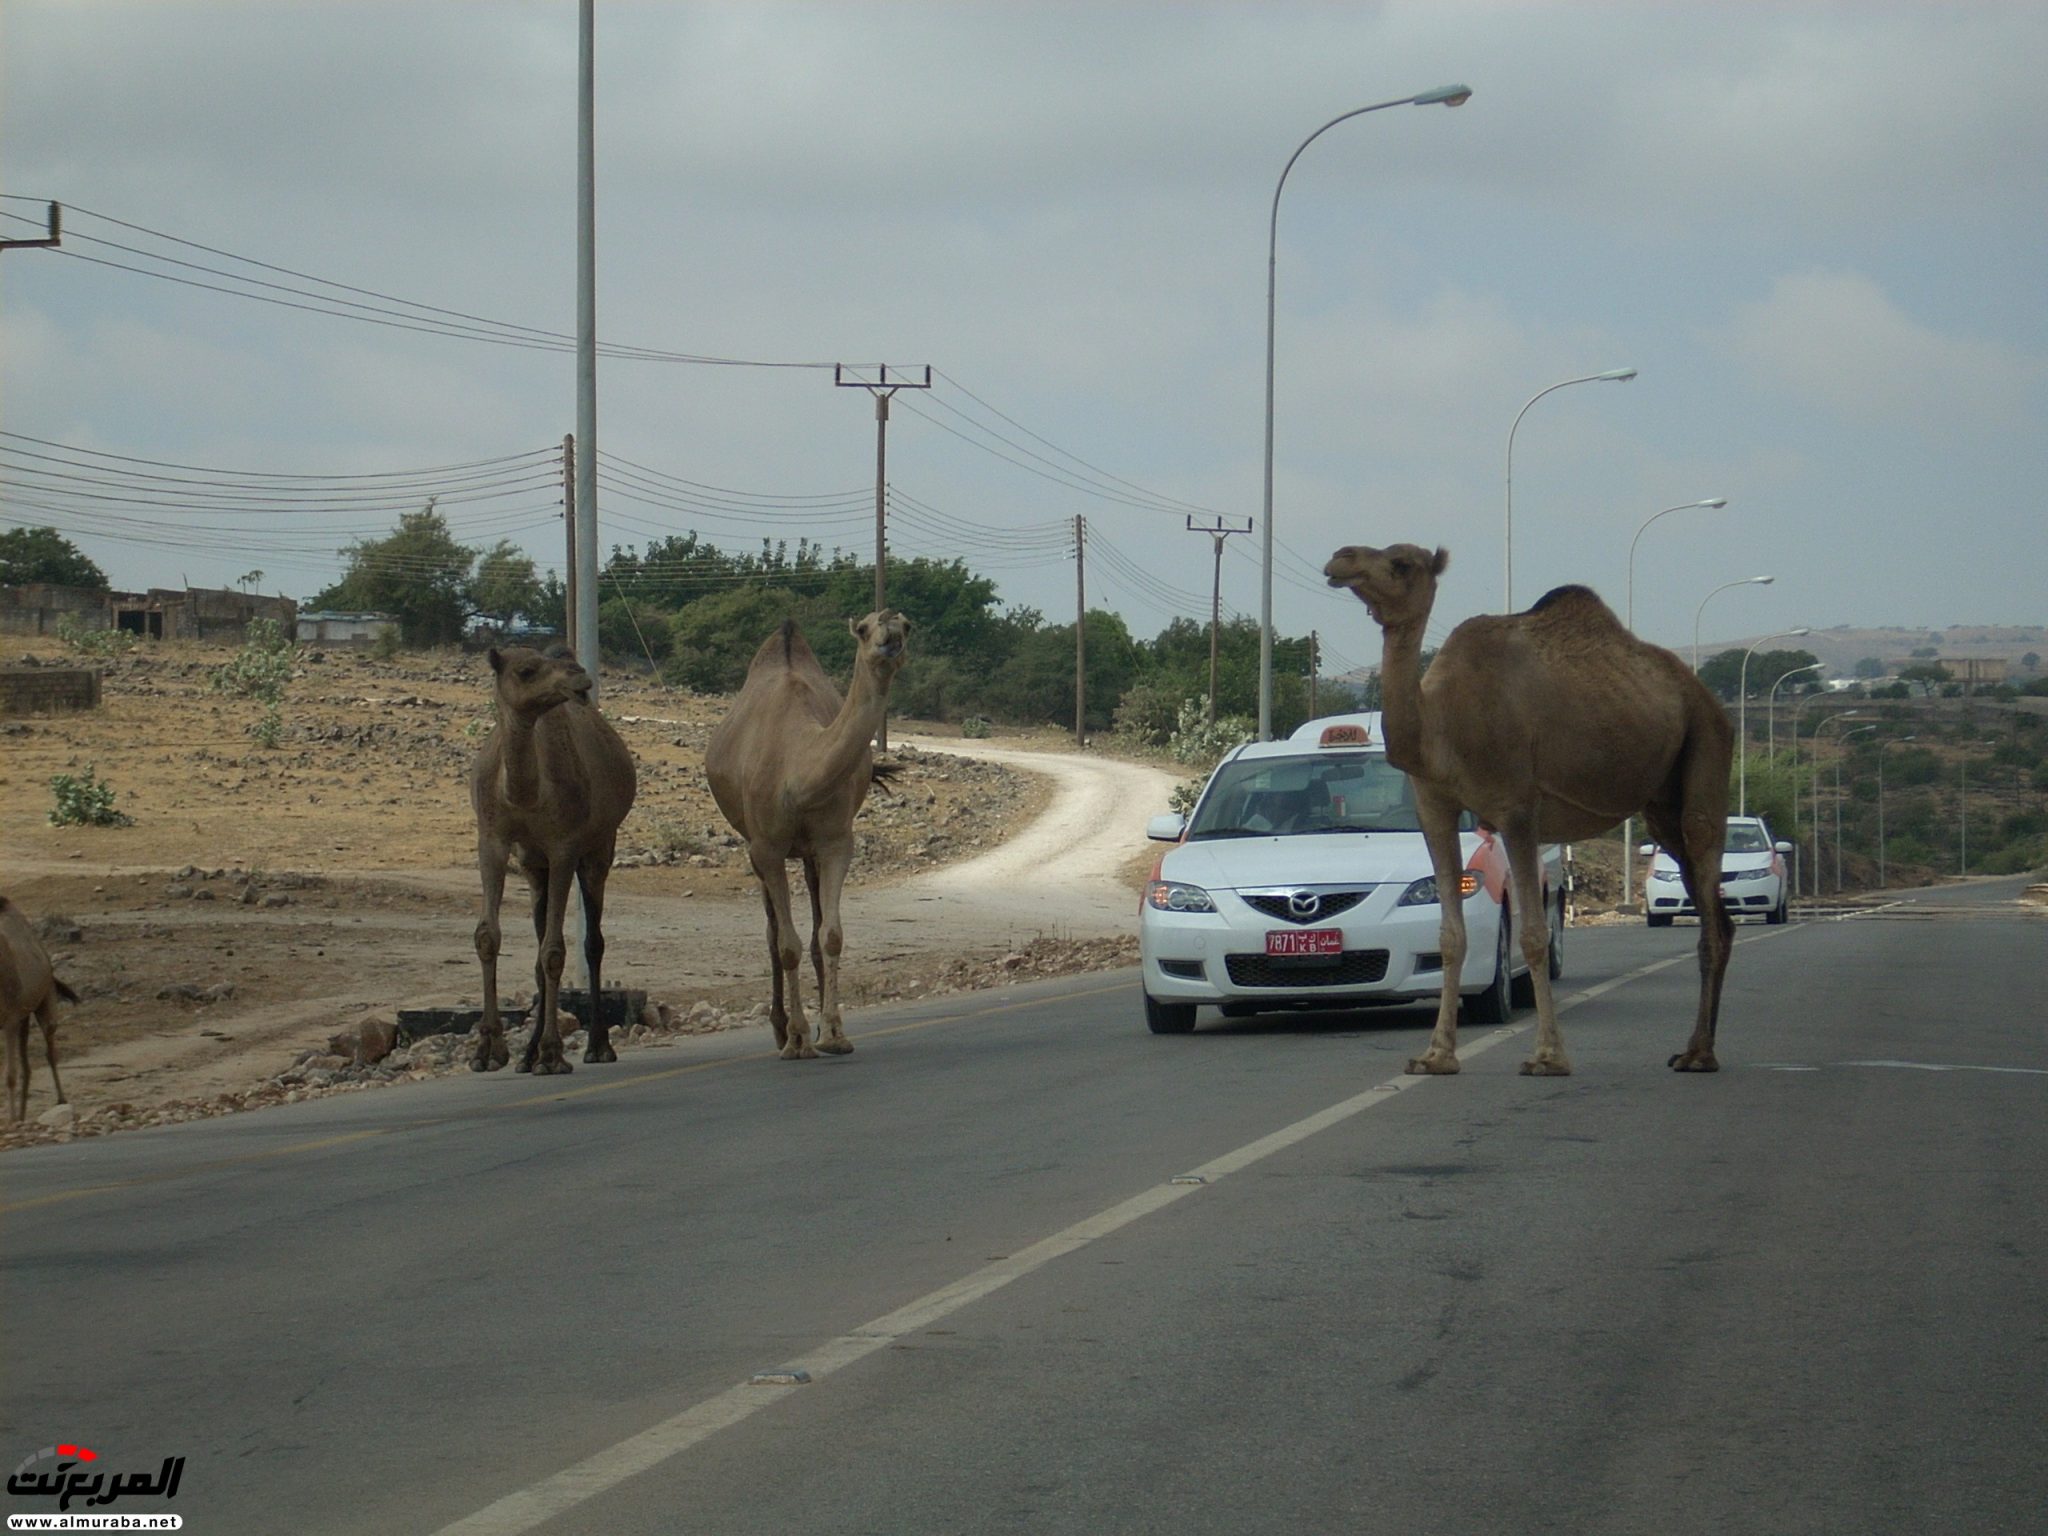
(583, 618)
(1080, 634)
(569, 528)
(1219, 532)
(1315, 665)
(54, 238)
(881, 386)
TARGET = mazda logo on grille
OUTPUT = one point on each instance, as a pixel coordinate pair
(1304, 903)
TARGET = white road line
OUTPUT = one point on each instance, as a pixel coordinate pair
(596, 1474)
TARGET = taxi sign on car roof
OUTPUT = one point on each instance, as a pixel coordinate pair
(1345, 736)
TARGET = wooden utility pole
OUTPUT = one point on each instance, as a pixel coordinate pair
(1080, 634)
(1315, 665)
(881, 386)
(569, 528)
(1219, 532)
(54, 238)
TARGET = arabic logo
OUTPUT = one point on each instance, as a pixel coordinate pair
(96, 1488)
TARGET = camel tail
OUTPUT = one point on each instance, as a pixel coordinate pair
(62, 990)
(883, 775)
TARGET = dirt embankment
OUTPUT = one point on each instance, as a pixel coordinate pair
(264, 900)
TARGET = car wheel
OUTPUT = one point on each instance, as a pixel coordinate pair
(1556, 958)
(1779, 913)
(1659, 919)
(1168, 1018)
(1496, 1004)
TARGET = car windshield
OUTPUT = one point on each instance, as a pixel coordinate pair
(1744, 837)
(1323, 792)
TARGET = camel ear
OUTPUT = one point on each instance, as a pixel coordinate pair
(858, 628)
(497, 660)
(1442, 560)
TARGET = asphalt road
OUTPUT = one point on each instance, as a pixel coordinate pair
(1804, 1295)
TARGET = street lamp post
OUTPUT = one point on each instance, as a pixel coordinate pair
(1747, 581)
(1841, 751)
(1686, 506)
(1772, 711)
(1818, 728)
(1742, 719)
(1882, 881)
(1615, 375)
(1449, 96)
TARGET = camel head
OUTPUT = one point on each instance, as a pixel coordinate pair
(530, 683)
(880, 639)
(1397, 584)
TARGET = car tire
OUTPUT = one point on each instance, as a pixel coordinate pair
(1496, 1004)
(1658, 920)
(1781, 912)
(1555, 960)
(1168, 1018)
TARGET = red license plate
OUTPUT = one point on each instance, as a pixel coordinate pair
(1305, 941)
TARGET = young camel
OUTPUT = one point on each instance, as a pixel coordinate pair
(550, 786)
(29, 988)
(1550, 725)
(789, 767)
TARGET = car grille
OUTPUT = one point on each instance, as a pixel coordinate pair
(1355, 967)
(1328, 904)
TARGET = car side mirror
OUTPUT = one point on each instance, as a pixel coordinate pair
(1647, 850)
(1782, 847)
(1166, 828)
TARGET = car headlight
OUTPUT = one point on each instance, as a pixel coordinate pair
(1423, 892)
(1172, 896)
(1671, 875)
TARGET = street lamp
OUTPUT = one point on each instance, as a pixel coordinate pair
(1449, 96)
(1842, 750)
(1882, 882)
(1687, 506)
(1747, 581)
(1818, 728)
(1742, 719)
(1772, 711)
(1615, 375)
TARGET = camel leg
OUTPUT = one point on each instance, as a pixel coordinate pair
(1532, 927)
(596, 869)
(47, 1017)
(789, 954)
(1439, 817)
(830, 872)
(544, 1046)
(1695, 838)
(817, 929)
(778, 1012)
(17, 1067)
(491, 1052)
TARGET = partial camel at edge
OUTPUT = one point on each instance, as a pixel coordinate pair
(550, 786)
(790, 766)
(29, 989)
(1550, 725)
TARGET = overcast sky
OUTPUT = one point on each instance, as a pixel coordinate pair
(1819, 231)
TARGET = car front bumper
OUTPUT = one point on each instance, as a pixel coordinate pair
(1760, 894)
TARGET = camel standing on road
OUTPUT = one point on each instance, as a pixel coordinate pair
(1551, 725)
(29, 988)
(789, 767)
(550, 786)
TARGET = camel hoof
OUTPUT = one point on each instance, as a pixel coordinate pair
(551, 1068)
(600, 1053)
(1433, 1066)
(1694, 1061)
(1539, 1066)
(481, 1063)
(840, 1046)
(525, 1065)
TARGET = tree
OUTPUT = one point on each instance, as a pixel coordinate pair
(1921, 653)
(1723, 673)
(505, 587)
(1870, 666)
(418, 573)
(1930, 675)
(44, 554)
(2031, 661)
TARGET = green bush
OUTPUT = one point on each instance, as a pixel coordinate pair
(262, 668)
(976, 726)
(1148, 714)
(94, 642)
(83, 801)
(1203, 742)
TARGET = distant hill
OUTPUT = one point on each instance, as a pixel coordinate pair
(1839, 649)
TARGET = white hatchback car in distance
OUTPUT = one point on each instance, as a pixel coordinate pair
(1753, 882)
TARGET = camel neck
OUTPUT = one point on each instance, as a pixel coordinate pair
(846, 739)
(1401, 694)
(520, 763)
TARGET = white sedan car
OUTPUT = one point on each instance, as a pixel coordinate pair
(1752, 877)
(1301, 880)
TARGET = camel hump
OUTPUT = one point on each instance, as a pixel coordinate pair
(1573, 593)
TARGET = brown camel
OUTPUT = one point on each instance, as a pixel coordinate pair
(29, 988)
(550, 786)
(1551, 726)
(789, 767)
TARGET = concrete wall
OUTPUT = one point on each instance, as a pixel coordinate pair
(48, 690)
(37, 608)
